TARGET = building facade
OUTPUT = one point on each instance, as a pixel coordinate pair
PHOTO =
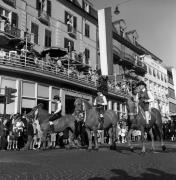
(171, 73)
(157, 81)
(64, 24)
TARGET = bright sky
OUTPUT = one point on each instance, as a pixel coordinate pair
(154, 20)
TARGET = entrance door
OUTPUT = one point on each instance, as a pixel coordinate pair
(69, 104)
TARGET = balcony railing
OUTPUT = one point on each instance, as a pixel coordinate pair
(9, 29)
(14, 60)
(44, 17)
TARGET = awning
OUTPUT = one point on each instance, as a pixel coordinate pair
(54, 52)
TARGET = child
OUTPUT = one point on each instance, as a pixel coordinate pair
(9, 140)
(53, 140)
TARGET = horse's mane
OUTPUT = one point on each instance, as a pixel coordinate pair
(31, 113)
(89, 106)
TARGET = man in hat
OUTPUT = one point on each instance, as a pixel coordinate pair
(57, 113)
(100, 102)
(145, 100)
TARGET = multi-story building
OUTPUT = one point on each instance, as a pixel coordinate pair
(171, 73)
(157, 81)
(63, 24)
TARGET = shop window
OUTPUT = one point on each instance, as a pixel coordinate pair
(43, 92)
(28, 89)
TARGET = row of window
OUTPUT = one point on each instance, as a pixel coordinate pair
(159, 75)
(172, 107)
(171, 93)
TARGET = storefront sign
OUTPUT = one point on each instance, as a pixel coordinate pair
(10, 2)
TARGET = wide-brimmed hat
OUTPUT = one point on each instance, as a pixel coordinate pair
(56, 97)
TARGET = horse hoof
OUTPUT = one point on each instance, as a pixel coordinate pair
(164, 148)
(96, 149)
(131, 149)
(89, 149)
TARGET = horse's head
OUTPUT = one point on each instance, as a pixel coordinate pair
(82, 104)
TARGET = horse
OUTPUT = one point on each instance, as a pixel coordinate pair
(60, 124)
(138, 121)
(91, 121)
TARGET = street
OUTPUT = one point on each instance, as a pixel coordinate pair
(61, 164)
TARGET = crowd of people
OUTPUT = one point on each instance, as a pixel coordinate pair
(25, 134)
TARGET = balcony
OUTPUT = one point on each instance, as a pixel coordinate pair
(22, 66)
(9, 29)
(44, 17)
(71, 31)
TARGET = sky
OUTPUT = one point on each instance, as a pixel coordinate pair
(154, 21)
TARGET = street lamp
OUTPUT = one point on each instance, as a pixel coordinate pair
(116, 11)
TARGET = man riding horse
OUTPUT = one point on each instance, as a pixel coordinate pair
(100, 103)
(144, 97)
(57, 113)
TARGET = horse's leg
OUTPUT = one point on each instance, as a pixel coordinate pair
(43, 140)
(71, 138)
(110, 136)
(160, 129)
(96, 139)
(89, 138)
(129, 140)
(143, 139)
(152, 140)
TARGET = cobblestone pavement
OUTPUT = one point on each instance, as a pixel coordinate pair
(75, 164)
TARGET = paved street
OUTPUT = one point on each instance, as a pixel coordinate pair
(64, 164)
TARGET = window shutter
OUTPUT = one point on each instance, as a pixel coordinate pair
(49, 8)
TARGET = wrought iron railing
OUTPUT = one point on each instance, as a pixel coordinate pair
(14, 59)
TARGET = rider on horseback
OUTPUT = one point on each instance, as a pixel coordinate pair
(145, 99)
(57, 114)
(100, 103)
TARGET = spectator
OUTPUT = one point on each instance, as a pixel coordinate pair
(9, 141)
(53, 140)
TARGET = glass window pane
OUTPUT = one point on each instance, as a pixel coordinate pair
(28, 89)
(43, 92)
(28, 103)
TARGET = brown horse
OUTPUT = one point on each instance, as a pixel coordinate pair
(92, 122)
(60, 124)
(138, 121)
